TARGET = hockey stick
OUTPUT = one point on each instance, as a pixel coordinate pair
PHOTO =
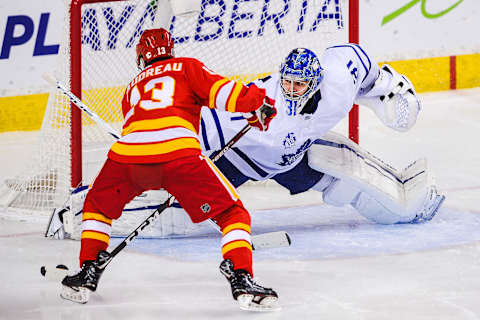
(266, 240)
(73, 98)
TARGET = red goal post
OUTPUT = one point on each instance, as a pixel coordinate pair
(353, 37)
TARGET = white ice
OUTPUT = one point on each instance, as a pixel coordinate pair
(339, 266)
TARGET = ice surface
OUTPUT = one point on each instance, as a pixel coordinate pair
(339, 266)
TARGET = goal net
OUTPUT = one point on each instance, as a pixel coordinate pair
(238, 38)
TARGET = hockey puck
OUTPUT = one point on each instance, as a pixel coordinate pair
(43, 269)
(288, 239)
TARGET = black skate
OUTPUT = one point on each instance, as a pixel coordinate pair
(77, 287)
(249, 294)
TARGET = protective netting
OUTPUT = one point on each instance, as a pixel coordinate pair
(240, 39)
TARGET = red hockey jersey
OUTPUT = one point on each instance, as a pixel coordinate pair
(161, 107)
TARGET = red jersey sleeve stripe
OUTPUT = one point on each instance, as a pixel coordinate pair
(232, 101)
(214, 91)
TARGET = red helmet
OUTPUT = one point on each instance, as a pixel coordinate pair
(154, 44)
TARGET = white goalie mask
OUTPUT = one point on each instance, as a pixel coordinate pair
(300, 76)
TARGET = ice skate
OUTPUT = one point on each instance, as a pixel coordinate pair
(77, 287)
(249, 294)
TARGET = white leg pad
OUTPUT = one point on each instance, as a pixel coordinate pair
(340, 193)
(377, 190)
(174, 221)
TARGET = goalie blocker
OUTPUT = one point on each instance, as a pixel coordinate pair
(375, 189)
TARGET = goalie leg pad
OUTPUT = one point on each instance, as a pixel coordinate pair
(324, 182)
(430, 207)
(374, 210)
(340, 193)
(65, 222)
(377, 190)
(175, 221)
(55, 227)
(343, 192)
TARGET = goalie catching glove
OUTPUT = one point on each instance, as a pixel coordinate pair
(393, 99)
(260, 118)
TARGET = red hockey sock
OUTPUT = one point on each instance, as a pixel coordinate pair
(96, 229)
(90, 248)
(236, 243)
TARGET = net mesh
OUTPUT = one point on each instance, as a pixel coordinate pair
(243, 40)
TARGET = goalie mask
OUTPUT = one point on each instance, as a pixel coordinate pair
(154, 45)
(300, 76)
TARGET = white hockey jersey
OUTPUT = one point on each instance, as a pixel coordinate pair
(348, 73)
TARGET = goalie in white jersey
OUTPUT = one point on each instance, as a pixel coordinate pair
(300, 153)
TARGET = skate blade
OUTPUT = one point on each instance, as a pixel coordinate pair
(78, 295)
(267, 304)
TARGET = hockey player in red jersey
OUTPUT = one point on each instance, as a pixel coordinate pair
(159, 148)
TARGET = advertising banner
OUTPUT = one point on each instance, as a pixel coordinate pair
(414, 29)
(31, 33)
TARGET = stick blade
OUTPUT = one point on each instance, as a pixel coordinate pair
(271, 240)
(47, 76)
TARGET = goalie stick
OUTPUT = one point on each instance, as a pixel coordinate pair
(266, 240)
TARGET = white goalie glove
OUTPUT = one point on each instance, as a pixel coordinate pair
(393, 99)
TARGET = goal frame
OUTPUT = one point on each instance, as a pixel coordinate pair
(76, 81)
